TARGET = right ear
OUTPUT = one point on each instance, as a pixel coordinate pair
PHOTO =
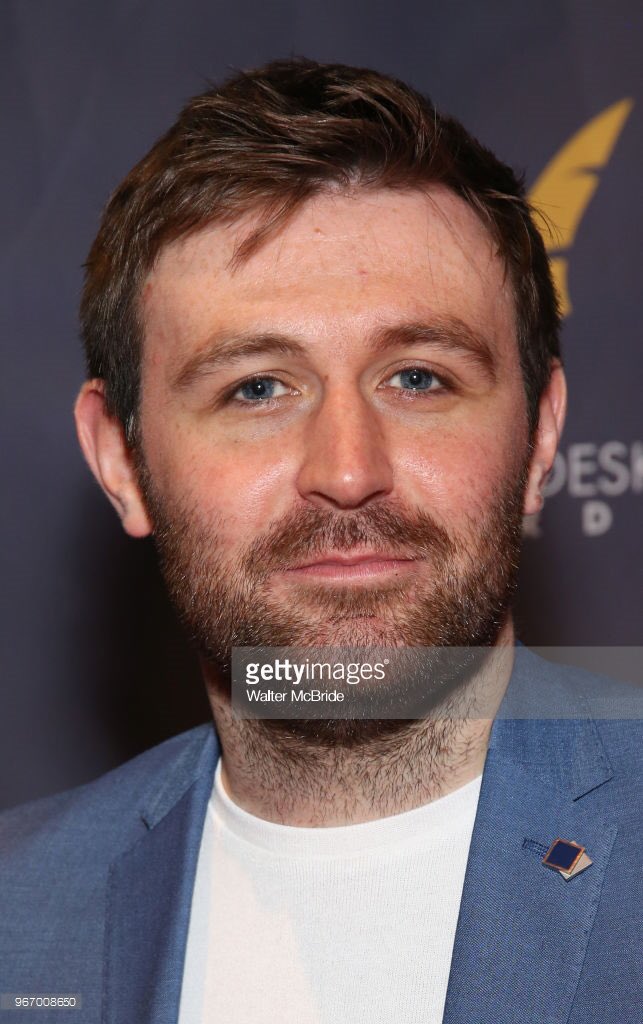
(102, 440)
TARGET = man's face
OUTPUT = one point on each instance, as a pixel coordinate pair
(334, 434)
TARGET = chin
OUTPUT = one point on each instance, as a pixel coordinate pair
(352, 631)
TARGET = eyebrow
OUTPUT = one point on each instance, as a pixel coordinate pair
(448, 333)
(226, 350)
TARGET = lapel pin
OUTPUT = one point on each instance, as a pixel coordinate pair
(567, 858)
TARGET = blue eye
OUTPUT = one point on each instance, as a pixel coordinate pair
(260, 389)
(415, 378)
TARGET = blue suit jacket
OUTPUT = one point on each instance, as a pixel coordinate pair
(96, 883)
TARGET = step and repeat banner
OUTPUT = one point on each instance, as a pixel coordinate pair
(94, 666)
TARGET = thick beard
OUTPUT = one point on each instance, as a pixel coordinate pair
(225, 603)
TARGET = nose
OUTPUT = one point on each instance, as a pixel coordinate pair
(345, 463)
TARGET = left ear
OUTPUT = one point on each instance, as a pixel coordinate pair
(102, 440)
(551, 418)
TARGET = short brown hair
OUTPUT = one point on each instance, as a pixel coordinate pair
(270, 139)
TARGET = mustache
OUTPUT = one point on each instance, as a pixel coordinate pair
(305, 533)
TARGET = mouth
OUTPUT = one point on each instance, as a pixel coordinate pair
(342, 566)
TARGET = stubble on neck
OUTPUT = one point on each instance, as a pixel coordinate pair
(281, 777)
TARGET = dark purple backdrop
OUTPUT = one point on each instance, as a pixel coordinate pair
(94, 667)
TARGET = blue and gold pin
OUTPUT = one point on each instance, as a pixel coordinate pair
(567, 858)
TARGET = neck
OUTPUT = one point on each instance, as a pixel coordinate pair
(291, 781)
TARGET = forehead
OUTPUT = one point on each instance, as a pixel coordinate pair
(343, 264)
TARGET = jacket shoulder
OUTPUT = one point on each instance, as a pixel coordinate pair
(101, 816)
(56, 856)
(567, 714)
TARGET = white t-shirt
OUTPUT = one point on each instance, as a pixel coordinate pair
(344, 925)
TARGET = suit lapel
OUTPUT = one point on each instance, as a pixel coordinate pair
(149, 896)
(523, 930)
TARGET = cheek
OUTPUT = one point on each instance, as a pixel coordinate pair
(456, 475)
(242, 488)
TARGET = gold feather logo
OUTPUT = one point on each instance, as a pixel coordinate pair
(564, 189)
